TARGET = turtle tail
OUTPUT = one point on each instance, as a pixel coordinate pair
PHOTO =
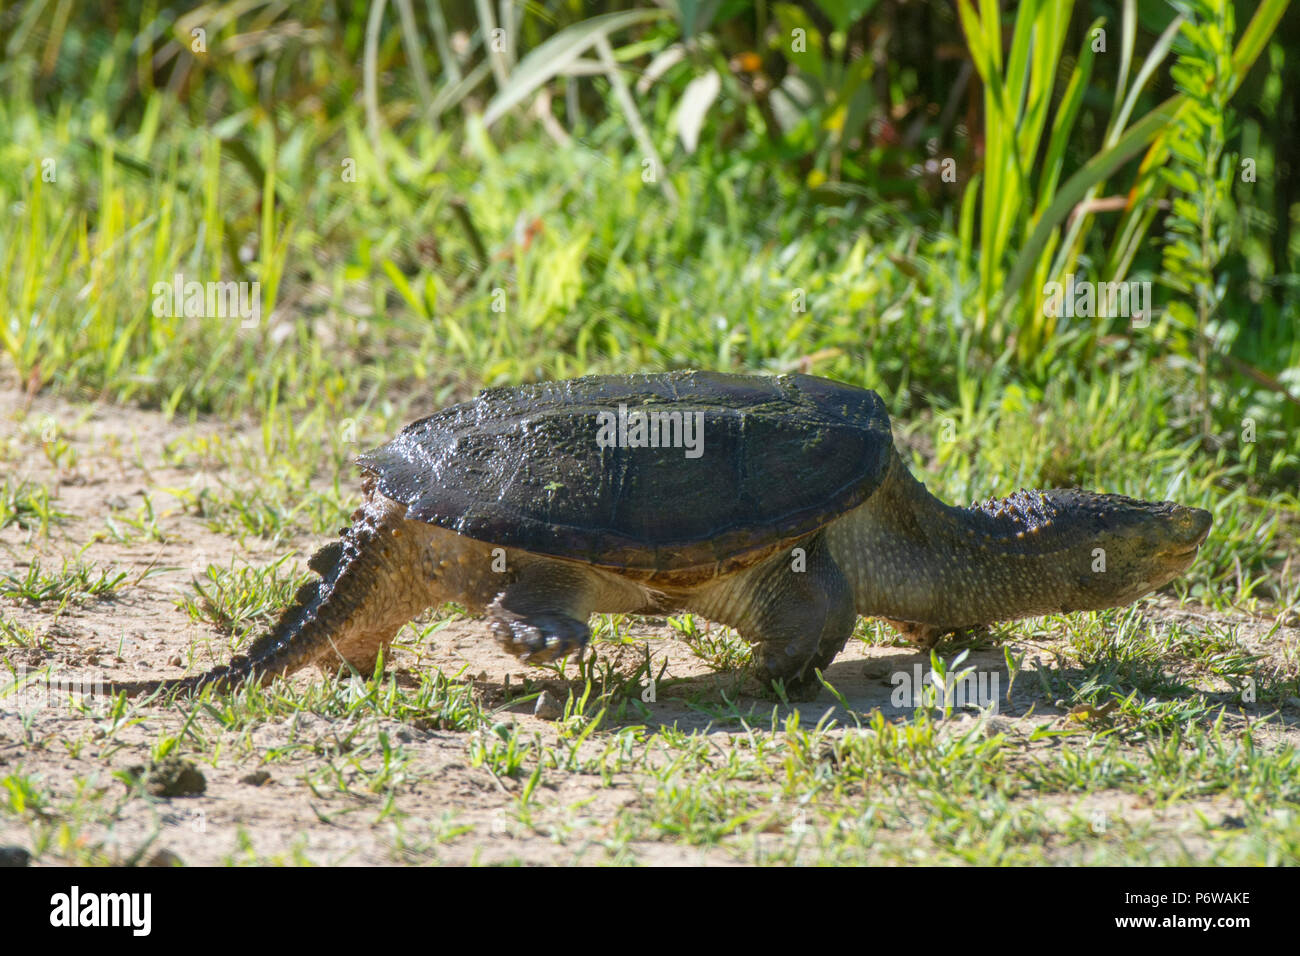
(293, 642)
(355, 572)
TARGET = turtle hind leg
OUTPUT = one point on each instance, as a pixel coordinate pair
(536, 638)
(804, 615)
(542, 614)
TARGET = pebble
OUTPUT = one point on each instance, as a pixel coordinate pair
(547, 706)
(171, 777)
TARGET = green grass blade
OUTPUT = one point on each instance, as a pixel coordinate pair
(1097, 170)
(547, 60)
(1066, 114)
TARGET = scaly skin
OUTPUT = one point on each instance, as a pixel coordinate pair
(905, 556)
(932, 569)
(361, 600)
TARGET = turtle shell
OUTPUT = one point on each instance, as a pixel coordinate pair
(563, 469)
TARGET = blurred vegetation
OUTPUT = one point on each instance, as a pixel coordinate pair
(438, 195)
(434, 197)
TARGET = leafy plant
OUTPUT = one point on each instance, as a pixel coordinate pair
(828, 100)
(1201, 171)
(1022, 204)
(1013, 200)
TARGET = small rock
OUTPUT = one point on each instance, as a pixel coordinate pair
(14, 856)
(1290, 619)
(164, 858)
(994, 725)
(175, 660)
(255, 779)
(1230, 822)
(547, 707)
(115, 503)
(171, 777)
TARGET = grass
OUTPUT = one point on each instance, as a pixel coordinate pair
(27, 506)
(73, 581)
(236, 600)
(1137, 738)
(981, 427)
(785, 790)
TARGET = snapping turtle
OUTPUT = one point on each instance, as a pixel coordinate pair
(775, 505)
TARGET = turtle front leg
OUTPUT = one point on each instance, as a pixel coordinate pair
(801, 616)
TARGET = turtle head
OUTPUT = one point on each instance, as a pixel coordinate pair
(1128, 548)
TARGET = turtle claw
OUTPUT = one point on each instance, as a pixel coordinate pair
(927, 636)
(923, 636)
(539, 638)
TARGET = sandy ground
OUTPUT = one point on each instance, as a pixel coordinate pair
(290, 805)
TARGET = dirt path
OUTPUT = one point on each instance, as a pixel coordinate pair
(312, 779)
